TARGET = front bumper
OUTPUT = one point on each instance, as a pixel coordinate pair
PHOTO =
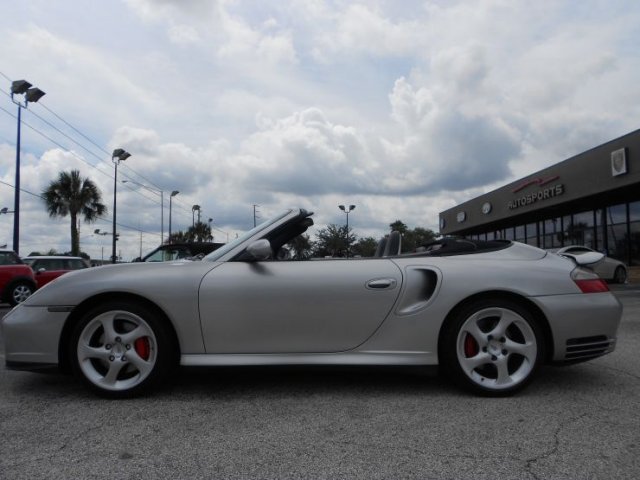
(32, 337)
(583, 325)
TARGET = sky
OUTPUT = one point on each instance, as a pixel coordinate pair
(403, 108)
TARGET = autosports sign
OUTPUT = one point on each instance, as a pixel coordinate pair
(553, 190)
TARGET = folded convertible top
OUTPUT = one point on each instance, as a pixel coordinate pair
(461, 246)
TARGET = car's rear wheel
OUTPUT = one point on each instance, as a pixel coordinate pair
(620, 275)
(492, 347)
(19, 292)
(121, 349)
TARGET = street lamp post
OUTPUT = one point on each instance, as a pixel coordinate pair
(173, 194)
(31, 94)
(161, 192)
(347, 210)
(194, 209)
(119, 155)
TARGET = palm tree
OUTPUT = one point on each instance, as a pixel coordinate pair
(73, 195)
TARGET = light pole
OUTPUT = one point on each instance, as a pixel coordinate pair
(153, 190)
(31, 94)
(193, 215)
(119, 155)
(173, 194)
(255, 216)
(5, 210)
(98, 232)
(347, 210)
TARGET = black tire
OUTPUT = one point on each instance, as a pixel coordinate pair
(620, 275)
(499, 372)
(19, 292)
(131, 359)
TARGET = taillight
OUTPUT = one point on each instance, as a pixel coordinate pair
(588, 281)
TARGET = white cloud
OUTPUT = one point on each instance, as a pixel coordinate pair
(403, 108)
(183, 34)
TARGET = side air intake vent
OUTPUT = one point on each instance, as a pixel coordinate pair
(588, 347)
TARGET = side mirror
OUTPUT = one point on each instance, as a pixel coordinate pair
(260, 249)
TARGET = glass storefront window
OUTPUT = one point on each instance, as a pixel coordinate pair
(581, 230)
(634, 211)
(617, 241)
(509, 234)
(634, 243)
(532, 234)
(567, 222)
(617, 214)
(520, 236)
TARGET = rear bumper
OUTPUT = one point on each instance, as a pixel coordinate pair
(583, 326)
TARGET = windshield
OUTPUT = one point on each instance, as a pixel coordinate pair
(214, 256)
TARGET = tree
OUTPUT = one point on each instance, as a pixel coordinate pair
(412, 239)
(365, 247)
(399, 226)
(200, 232)
(333, 241)
(300, 247)
(416, 238)
(178, 237)
(77, 197)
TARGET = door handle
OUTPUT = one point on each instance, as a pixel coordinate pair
(381, 283)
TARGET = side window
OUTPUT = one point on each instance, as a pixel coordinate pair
(9, 258)
(74, 264)
(164, 256)
(182, 254)
(53, 264)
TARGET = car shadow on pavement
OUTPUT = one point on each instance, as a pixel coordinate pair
(292, 381)
(303, 380)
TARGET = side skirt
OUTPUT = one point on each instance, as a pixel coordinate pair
(356, 358)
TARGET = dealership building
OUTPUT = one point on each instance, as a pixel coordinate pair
(592, 199)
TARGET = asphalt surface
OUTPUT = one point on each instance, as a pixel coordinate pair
(578, 422)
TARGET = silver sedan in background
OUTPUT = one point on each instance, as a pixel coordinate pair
(608, 268)
(487, 313)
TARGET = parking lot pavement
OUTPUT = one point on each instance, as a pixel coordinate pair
(573, 422)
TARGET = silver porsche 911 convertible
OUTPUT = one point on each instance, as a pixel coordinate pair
(487, 313)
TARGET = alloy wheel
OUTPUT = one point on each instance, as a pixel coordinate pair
(117, 350)
(21, 292)
(496, 348)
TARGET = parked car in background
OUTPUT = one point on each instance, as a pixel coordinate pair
(609, 268)
(180, 251)
(17, 281)
(48, 268)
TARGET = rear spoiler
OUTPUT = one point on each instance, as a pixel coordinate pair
(586, 259)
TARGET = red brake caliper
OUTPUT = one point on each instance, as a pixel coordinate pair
(142, 347)
(470, 347)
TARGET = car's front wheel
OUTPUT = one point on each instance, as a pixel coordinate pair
(121, 349)
(492, 347)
